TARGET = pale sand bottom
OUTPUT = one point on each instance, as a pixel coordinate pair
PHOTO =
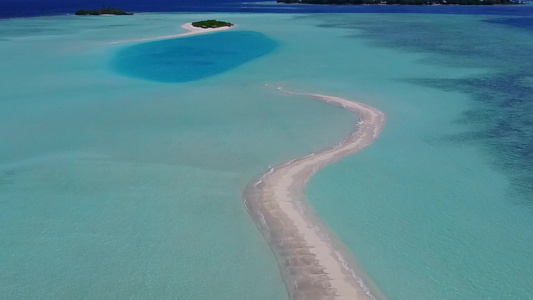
(312, 266)
(191, 30)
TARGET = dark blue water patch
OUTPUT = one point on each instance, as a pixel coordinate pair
(524, 22)
(26, 8)
(503, 10)
(500, 119)
(191, 58)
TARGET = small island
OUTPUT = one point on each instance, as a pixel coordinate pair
(405, 2)
(103, 11)
(211, 24)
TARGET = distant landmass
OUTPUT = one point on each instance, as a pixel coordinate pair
(211, 24)
(103, 11)
(406, 2)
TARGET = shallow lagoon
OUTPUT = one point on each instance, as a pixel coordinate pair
(100, 170)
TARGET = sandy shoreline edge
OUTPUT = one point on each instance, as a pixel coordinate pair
(312, 265)
(191, 30)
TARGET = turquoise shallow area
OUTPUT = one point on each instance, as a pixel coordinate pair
(126, 185)
(191, 58)
(116, 187)
(440, 207)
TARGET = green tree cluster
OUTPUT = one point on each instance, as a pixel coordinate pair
(211, 24)
(102, 11)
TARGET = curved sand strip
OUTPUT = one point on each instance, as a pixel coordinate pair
(312, 267)
(191, 30)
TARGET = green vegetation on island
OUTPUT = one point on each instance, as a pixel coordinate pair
(211, 24)
(102, 11)
(405, 2)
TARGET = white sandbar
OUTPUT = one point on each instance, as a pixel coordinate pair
(191, 30)
(313, 268)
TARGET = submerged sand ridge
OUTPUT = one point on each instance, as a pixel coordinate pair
(312, 266)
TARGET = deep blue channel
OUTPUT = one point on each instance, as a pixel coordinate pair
(191, 58)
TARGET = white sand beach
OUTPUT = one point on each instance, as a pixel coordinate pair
(191, 30)
(313, 268)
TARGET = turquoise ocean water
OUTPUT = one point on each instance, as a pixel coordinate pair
(122, 178)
